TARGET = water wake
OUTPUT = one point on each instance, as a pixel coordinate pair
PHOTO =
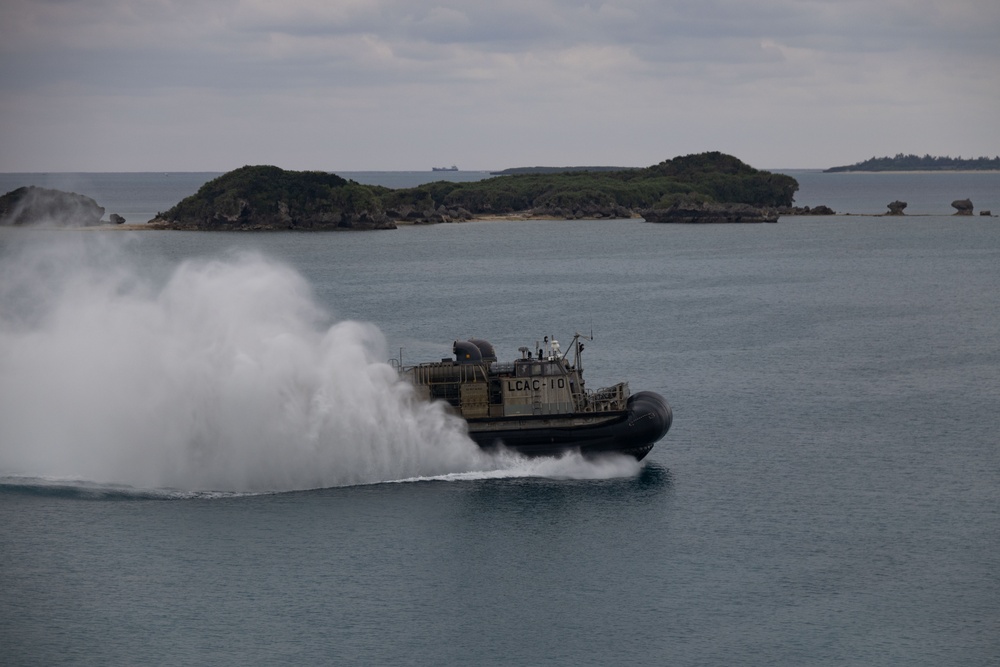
(224, 375)
(568, 466)
(86, 490)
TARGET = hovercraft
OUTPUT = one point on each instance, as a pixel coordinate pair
(538, 405)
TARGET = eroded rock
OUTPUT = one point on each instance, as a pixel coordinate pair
(896, 207)
(962, 206)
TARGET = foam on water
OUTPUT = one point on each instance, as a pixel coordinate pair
(223, 375)
(568, 466)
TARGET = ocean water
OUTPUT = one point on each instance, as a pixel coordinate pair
(925, 193)
(205, 460)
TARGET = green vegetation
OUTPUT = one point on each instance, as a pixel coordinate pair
(270, 191)
(705, 177)
(911, 162)
(265, 197)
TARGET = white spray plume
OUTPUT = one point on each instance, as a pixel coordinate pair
(44, 207)
(224, 376)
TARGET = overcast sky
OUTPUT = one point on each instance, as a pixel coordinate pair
(204, 85)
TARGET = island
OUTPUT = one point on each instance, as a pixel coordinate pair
(714, 183)
(901, 162)
(705, 187)
(267, 198)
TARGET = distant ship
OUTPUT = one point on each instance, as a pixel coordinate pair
(538, 405)
(451, 168)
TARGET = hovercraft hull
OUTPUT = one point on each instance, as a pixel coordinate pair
(632, 431)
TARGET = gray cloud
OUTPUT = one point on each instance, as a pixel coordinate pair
(395, 84)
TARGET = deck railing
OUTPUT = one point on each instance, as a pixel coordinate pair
(609, 398)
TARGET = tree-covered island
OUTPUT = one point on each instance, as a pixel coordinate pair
(262, 198)
(706, 187)
(900, 162)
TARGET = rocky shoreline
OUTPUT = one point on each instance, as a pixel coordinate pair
(711, 213)
(248, 220)
(690, 213)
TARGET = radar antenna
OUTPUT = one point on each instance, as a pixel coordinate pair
(577, 347)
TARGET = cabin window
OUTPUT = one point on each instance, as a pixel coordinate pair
(536, 369)
(529, 370)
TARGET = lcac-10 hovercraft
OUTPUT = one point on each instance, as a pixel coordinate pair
(538, 405)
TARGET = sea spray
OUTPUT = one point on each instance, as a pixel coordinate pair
(227, 375)
(219, 374)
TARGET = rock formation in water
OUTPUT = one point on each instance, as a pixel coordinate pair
(32, 205)
(896, 208)
(962, 206)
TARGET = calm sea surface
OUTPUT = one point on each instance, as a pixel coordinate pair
(204, 461)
